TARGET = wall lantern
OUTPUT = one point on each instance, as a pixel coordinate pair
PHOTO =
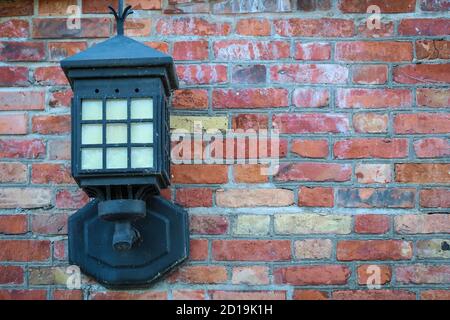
(128, 235)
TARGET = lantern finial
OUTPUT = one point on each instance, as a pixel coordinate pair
(120, 16)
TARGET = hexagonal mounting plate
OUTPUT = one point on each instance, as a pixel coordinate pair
(165, 244)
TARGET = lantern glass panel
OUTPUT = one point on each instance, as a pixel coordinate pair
(91, 134)
(92, 110)
(116, 158)
(116, 133)
(116, 109)
(141, 158)
(91, 158)
(142, 132)
(142, 108)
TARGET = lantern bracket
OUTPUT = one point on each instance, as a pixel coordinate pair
(121, 15)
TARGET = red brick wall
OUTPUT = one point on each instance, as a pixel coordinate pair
(363, 114)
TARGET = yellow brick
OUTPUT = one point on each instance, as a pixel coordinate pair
(207, 123)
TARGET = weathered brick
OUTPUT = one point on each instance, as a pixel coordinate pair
(191, 74)
(67, 294)
(198, 249)
(60, 249)
(50, 76)
(435, 198)
(373, 173)
(51, 124)
(137, 27)
(129, 295)
(423, 172)
(232, 50)
(60, 50)
(422, 73)
(376, 198)
(371, 148)
(71, 199)
(251, 250)
(22, 51)
(422, 123)
(250, 173)
(250, 275)
(310, 295)
(312, 51)
(309, 73)
(312, 275)
(313, 249)
(58, 28)
(24, 250)
(22, 100)
(238, 6)
(26, 198)
(194, 197)
(236, 198)
(14, 76)
(204, 174)
(13, 224)
(188, 295)
(60, 98)
(349, 250)
(374, 98)
(370, 122)
(190, 99)
(101, 6)
(325, 27)
(49, 223)
(310, 148)
(374, 295)
(199, 275)
(248, 295)
(158, 45)
(432, 148)
(372, 223)
(311, 98)
(50, 173)
(14, 124)
(14, 28)
(191, 26)
(48, 276)
(250, 121)
(14, 294)
(59, 150)
(55, 8)
(208, 224)
(16, 8)
(433, 98)
(249, 74)
(190, 50)
(422, 223)
(253, 27)
(423, 274)
(368, 274)
(314, 172)
(433, 248)
(392, 51)
(434, 5)
(252, 225)
(432, 49)
(424, 27)
(370, 74)
(435, 295)
(249, 98)
(306, 223)
(386, 29)
(316, 197)
(311, 123)
(11, 275)
(360, 6)
(13, 172)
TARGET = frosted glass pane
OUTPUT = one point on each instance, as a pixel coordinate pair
(116, 133)
(142, 108)
(91, 134)
(141, 158)
(142, 133)
(116, 109)
(116, 158)
(91, 159)
(91, 110)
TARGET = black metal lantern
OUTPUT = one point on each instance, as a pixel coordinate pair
(129, 235)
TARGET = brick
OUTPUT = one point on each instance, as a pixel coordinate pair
(24, 250)
(374, 295)
(368, 274)
(311, 98)
(23, 100)
(350, 250)
(325, 27)
(31, 149)
(310, 295)
(71, 199)
(51, 124)
(249, 98)
(236, 6)
(50, 173)
(424, 27)
(26, 198)
(313, 172)
(188, 295)
(158, 45)
(433, 249)
(60, 50)
(16, 8)
(423, 274)
(55, 8)
(11, 275)
(198, 249)
(250, 121)
(26, 51)
(371, 148)
(199, 275)
(310, 148)
(186, 6)
(374, 98)
(187, 123)
(50, 76)
(67, 295)
(435, 295)
(312, 51)
(14, 294)
(250, 275)
(14, 124)
(316, 197)
(307, 223)
(373, 173)
(434, 5)
(248, 295)
(432, 49)
(129, 295)
(435, 198)
(313, 249)
(312, 275)
(137, 27)
(392, 51)
(194, 197)
(372, 224)
(252, 225)
(313, 5)
(422, 73)
(60, 249)
(14, 28)
(370, 122)
(250, 173)
(232, 50)
(237, 198)
(360, 6)
(370, 74)
(251, 250)
(60, 98)
(208, 224)
(200, 174)
(422, 123)
(191, 26)
(13, 224)
(49, 224)
(48, 276)
(57, 28)
(59, 150)
(433, 98)
(253, 27)
(311, 123)
(13, 172)
(422, 173)
(191, 74)
(432, 148)
(190, 50)
(14, 77)
(376, 198)
(101, 6)
(386, 29)
(422, 223)
(190, 99)
(309, 73)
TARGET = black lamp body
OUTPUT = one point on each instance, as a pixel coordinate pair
(128, 235)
